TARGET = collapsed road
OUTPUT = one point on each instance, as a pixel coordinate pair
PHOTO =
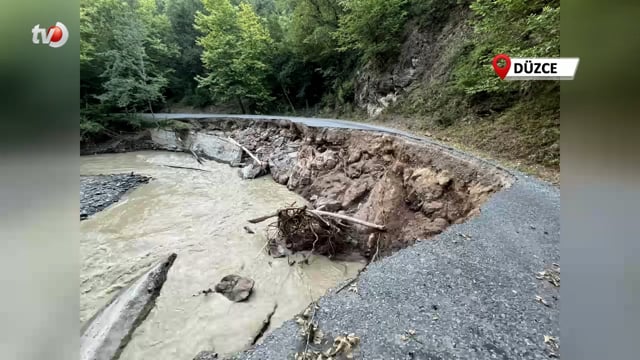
(473, 291)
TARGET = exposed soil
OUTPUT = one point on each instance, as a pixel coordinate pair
(98, 192)
(415, 189)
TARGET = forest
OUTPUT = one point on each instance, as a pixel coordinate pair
(310, 56)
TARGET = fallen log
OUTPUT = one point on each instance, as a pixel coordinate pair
(186, 168)
(198, 159)
(260, 163)
(262, 218)
(321, 213)
(348, 218)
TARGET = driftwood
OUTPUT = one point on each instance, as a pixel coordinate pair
(349, 219)
(186, 167)
(198, 159)
(321, 232)
(320, 213)
(260, 163)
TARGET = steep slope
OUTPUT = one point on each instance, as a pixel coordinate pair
(421, 91)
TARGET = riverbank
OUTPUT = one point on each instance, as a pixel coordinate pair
(470, 293)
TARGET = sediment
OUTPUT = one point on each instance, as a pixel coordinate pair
(100, 191)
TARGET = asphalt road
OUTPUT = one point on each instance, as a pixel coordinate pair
(466, 297)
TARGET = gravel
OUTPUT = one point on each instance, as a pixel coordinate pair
(97, 192)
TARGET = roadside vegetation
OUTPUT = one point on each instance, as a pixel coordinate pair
(308, 56)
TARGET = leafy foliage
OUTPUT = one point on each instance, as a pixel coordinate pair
(309, 55)
(372, 27)
(520, 28)
(235, 45)
(129, 80)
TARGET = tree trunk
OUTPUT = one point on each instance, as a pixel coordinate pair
(153, 115)
(293, 109)
(241, 105)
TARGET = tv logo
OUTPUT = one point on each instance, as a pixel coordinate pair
(55, 36)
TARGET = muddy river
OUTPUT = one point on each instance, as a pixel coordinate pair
(200, 216)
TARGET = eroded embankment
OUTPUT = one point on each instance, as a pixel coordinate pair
(415, 189)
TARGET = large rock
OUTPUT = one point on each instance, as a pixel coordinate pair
(208, 146)
(166, 139)
(216, 148)
(251, 171)
(235, 288)
(106, 334)
(281, 166)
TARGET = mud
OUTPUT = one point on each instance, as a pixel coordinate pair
(415, 189)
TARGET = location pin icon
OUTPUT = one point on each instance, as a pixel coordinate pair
(501, 71)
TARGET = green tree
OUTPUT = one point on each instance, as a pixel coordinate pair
(372, 27)
(188, 64)
(125, 58)
(235, 49)
(131, 79)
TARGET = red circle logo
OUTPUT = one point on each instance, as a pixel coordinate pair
(55, 33)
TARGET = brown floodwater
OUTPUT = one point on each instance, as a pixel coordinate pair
(200, 216)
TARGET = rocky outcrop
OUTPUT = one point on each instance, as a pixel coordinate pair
(235, 287)
(108, 332)
(207, 146)
(416, 189)
(425, 60)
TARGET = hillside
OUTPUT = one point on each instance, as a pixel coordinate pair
(420, 65)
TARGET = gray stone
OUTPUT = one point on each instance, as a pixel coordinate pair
(281, 165)
(216, 148)
(208, 146)
(235, 287)
(166, 139)
(105, 335)
(251, 171)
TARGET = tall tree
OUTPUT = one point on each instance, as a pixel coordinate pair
(131, 79)
(188, 64)
(235, 49)
(372, 27)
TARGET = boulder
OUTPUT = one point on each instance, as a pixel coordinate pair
(251, 171)
(235, 287)
(206, 145)
(355, 193)
(281, 165)
(166, 139)
(213, 147)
